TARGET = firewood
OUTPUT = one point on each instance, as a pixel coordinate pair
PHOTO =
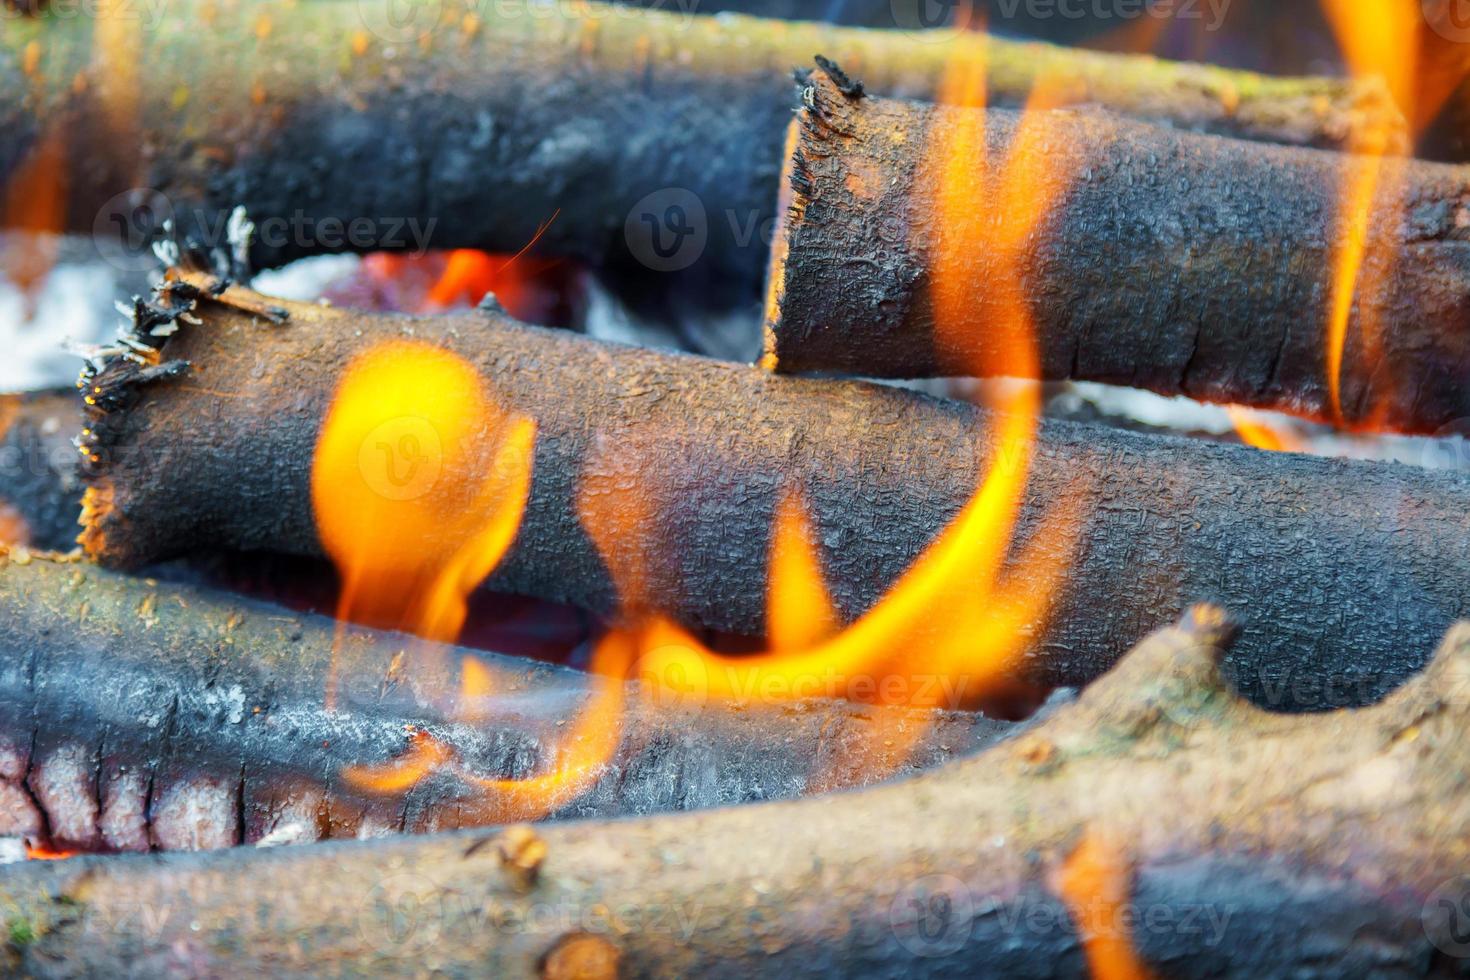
(1220, 841)
(211, 449)
(353, 126)
(40, 488)
(1182, 263)
(135, 714)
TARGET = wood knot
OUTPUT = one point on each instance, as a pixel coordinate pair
(581, 956)
(521, 852)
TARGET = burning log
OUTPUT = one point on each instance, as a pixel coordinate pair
(1130, 826)
(210, 448)
(40, 488)
(359, 126)
(137, 715)
(1180, 263)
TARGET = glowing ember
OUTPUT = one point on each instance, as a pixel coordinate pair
(41, 852)
(1094, 882)
(1256, 429)
(471, 275)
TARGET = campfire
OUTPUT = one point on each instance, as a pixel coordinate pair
(590, 489)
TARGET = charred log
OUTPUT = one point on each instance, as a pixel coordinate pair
(355, 126)
(1181, 263)
(40, 488)
(135, 715)
(1308, 846)
(214, 453)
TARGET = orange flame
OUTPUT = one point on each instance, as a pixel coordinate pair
(1380, 39)
(578, 758)
(954, 624)
(1094, 883)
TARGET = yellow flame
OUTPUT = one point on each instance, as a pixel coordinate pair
(1095, 884)
(419, 484)
(1259, 431)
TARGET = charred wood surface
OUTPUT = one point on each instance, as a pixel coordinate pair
(136, 715)
(1182, 263)
(1236, 844)
(40, 487)
(653, 137)
(216, 452)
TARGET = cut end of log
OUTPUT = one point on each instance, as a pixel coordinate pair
(792, 204)
(827, 100)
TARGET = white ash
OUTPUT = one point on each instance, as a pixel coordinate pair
(289, 835)
(231, 702)
(307, 279)
(12, 850)
(74, 300)
(374, 828)
(293, 821)
(196, 815)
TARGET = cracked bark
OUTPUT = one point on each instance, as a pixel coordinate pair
(135, 715)
(1244, 845)
(216, 457)
(326, 121)
(1180, 263)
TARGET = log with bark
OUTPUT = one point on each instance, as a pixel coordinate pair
(1182, 263)
(1161, 818)
(211, 448)
(652, 138)
(137, 715)
(40, 488)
